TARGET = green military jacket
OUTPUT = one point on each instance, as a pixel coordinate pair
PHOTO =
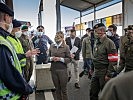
(126, 53)
(123, 39)
(86, 48)
(102, 49)
(27, 45)
(119, 88)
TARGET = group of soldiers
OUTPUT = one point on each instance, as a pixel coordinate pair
(106, 58)
(120, 88)
(100, 50)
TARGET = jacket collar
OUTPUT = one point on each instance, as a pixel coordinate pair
(59, 45)
(103, 38)
(4, 33)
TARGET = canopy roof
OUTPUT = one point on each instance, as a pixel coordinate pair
(82, 5)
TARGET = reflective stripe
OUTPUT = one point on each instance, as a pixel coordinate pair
(2, 86)
(4, 92)
(7, 94)
(18, 48)
(113, 57)
(23, 62)
(16, 61)
(10, 96)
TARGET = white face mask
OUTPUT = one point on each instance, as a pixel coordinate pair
(10, 28)
(109, 33)
(39, 33)
(25, 33)
(18, 34)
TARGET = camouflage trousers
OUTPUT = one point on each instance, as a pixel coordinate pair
(28, 69)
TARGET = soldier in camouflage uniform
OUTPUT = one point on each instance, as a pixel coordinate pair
(27, 45)
(104, 58)
(126, 50)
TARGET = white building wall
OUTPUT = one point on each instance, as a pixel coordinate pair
(109, 11)
(128, 12)
(49, 17)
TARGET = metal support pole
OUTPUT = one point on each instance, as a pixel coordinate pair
(80, 22)
(58, 16)
(123, 16)
(94, 14)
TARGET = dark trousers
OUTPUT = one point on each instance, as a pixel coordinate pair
(97, 84)
(60, 79)
(87, 64)
(42, 58)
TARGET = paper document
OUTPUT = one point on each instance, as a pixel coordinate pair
(74, 49)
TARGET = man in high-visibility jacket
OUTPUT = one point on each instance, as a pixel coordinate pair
(16, 43)
(13, 39)
(12, 84)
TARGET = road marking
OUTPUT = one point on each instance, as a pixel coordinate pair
(48, 96)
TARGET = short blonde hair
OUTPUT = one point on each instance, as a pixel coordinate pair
(61, 34)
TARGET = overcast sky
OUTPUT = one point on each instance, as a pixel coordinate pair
(26, 10)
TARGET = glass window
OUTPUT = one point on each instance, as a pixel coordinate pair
(117, 19)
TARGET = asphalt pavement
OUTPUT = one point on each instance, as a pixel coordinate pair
(73, 93)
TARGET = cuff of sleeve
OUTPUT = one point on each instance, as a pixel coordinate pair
(51, 58)
(62, 60)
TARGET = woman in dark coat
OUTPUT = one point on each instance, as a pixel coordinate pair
(59, 56)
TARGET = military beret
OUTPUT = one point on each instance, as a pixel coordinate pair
(98, 25)
(88, 29)
(5, 9)
(16, 23)
(24, 27)
(125, 29)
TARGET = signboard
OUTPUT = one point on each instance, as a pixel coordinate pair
(80, 26)
(68, 28)
(108, 21)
